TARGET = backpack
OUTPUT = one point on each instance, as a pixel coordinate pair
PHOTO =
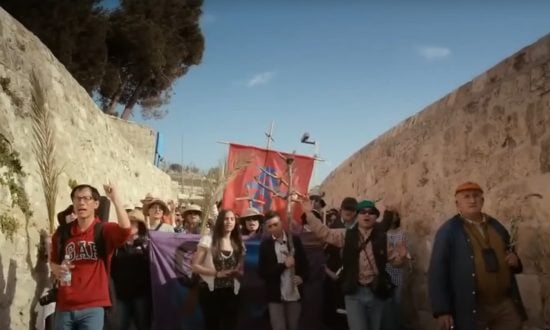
(64, 233)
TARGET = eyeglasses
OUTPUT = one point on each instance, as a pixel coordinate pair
(273, 225)
(366, 211)
(156, 207)
(82, 198)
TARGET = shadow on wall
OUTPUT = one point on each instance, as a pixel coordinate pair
(39, 274)
(7, 293)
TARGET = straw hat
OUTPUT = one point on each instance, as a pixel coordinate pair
(156, 201)
(148, 198)
(136, 215)
(192, 208)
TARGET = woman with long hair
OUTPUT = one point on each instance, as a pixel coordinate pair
(219, 262)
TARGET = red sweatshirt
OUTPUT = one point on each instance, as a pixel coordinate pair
(90, 281)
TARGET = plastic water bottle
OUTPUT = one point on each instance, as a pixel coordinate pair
(67, 278)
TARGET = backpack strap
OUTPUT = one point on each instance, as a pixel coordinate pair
(63, 235)
(100, 243)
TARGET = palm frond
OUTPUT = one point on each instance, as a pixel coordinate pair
(43, 146)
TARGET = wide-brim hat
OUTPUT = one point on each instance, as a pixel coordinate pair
(192, 208)
(159, 202)
(148, 198)
(136, 215)
(251, 214)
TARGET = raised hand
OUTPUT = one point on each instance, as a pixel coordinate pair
(171, 205)
(110, 190)
(307, 206)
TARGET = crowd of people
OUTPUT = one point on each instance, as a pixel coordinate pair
(98, 264)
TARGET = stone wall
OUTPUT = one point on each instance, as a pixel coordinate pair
(494, 130)
(141, 137)
(89, 148)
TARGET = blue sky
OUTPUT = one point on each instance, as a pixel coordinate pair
(345, 71)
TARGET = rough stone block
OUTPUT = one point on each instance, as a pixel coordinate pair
(540, 51)
(530, 289)
(495, 136)
(537, 78)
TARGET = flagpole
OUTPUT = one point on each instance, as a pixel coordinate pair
(269, 135)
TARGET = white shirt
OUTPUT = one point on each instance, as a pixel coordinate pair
(289, 291)
(164, 227)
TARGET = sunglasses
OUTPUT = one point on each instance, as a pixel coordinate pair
(366, 211)
(273, 225)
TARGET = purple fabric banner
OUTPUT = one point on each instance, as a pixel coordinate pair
(175, 302)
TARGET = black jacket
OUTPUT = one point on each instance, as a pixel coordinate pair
(130, 271)
(270, 270)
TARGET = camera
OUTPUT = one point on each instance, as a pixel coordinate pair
(48, 298)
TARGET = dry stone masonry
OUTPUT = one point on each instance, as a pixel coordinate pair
(90, 147)
(494, 130)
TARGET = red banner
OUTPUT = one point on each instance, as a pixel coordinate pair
(254, 171)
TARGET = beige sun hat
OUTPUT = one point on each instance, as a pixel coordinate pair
(136, 215)
(156, 201)
(148, 198)
(192, 208)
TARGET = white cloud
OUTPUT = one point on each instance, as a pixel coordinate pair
(262, 78)
(433, 52)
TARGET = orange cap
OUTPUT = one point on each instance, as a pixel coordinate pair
(468, 186)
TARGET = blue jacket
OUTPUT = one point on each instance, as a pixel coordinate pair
(451, 279)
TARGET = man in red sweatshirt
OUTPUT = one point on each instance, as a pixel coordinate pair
(81, 304)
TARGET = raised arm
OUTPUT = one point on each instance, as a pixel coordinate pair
(122, 216)
(332, 236)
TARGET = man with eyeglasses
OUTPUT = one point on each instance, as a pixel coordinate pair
(364, 245)
(284, 291)
(82, 299)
